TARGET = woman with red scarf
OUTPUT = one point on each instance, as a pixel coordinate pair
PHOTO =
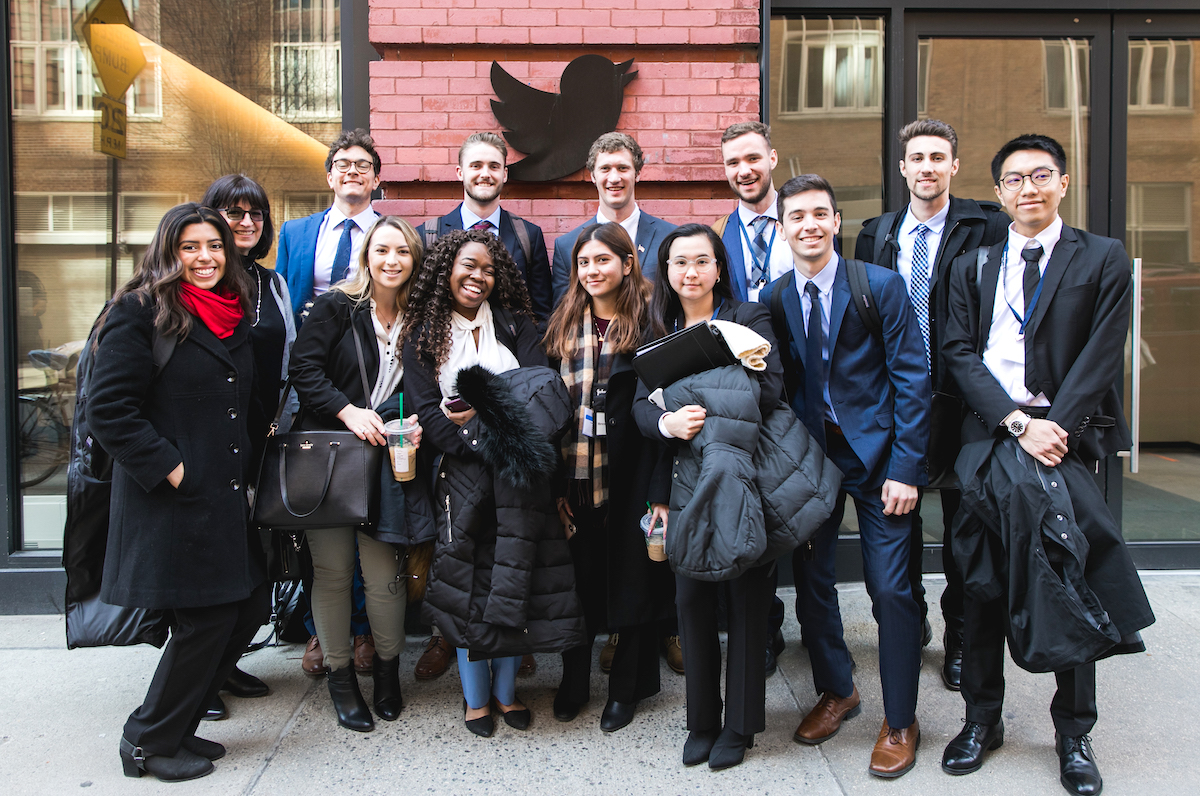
(179, 435)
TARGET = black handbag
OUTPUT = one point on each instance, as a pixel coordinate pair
(946, 416)
(693, 350)
(318, 479)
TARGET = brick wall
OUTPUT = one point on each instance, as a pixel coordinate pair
(697, 73)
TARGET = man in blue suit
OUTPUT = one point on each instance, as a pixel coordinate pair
(481, 168)
(614, 163)
(322, 249)
(864, 396)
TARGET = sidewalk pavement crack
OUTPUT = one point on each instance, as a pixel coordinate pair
(820, 748)
(287, 728)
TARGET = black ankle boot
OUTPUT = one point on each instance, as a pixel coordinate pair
(730, 749)
(184, 765)
(386, 674)
(348, 702)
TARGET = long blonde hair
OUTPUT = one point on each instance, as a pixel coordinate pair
(358, 286)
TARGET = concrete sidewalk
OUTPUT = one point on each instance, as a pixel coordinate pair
(61, 718)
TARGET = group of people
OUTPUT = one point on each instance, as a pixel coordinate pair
(543, 457)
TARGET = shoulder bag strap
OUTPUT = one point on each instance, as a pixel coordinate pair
(362, 364)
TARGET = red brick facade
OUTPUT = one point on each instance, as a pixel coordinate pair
(697, 69)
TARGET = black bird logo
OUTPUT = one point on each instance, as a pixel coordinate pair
(556, 130)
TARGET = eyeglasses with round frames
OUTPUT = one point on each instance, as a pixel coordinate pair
(1039, 177)
(360, 166)
(702, 264)
(235, 214)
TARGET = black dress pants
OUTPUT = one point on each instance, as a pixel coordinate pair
(204, 646)
(748, 601)
(952, 597)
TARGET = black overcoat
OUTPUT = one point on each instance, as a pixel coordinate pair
(187, 547)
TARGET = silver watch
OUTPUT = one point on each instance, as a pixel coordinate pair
(1018, 425)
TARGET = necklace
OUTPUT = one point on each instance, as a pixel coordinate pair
(258, 300)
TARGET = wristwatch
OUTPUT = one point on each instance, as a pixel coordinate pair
(1017, 425)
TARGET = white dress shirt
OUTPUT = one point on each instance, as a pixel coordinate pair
(824, 282)
(391, 368)
(908, 241)
(630, 224)
(469, 219)
(779, 254)
(328, 238)
(1004, 354)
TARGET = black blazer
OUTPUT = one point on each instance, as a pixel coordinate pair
(1078, 328)
(536, 273)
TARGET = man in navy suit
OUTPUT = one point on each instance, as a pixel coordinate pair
(322, 249)
(481, 168)
(865, 398)
(614, 164)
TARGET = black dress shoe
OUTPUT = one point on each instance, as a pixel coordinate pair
(564, 708)
(926, 633)
(245, 685)
(483, 726)
(730, 749)
(387, 698)
(776, 643)
(617, 715)
(1077, 765)
(517, 719)
(216, 710)
(698, 746)
(964, 754)
(184, 765)
(348, 702)
(772, 662)
(952, 666)
(209, 750)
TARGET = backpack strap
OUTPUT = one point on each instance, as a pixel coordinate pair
(791, 374)
(885, 238)
(864, 299)
(720, 224)
(522, 230)
(431, 236)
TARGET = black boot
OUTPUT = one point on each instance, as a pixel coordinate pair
(386, 674)
(730, 749)
(952, 666)
(348, 702)
(184, 765)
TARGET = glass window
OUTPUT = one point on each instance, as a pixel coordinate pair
(831, 64)
(1068, 75)
(1160, 75)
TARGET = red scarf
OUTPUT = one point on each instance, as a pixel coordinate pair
(221, 312)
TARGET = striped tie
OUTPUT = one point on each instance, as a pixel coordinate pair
(758, 272)
(918, 286)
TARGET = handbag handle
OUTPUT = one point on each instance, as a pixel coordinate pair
(283, 490)
(287, 385)
(362, 367)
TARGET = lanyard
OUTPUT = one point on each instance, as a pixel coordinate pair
(766, 266)
(1037, 293)
(716, 308)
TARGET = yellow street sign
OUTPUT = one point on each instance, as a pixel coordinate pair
(110, 12)
(117, 55)
(110, 127)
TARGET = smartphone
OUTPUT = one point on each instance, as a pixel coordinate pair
(456, 404)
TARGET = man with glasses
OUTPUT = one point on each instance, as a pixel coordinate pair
(920, 241)
(1035, 339)
(322, 249)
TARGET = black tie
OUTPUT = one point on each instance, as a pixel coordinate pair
(1031, 255)
(814, 368)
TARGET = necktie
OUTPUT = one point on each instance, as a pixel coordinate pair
(814, 368)
(1031, 255)
(758, 247)
(341, 260)
(483, 224)
(918, 286)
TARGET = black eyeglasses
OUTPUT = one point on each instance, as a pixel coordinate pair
(360, 166)
(1040, 177)
(236, 214)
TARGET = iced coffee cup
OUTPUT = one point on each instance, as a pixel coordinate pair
(401, 450)
(655, 538)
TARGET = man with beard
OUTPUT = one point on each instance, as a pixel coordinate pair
(481, 168)
(920, 241)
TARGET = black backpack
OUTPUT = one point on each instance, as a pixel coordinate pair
(90, 622)
(519, 226)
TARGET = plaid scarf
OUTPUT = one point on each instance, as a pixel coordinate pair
(586, 457)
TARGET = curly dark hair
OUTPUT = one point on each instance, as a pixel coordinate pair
(430, 302)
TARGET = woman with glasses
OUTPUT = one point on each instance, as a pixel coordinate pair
(691, 287)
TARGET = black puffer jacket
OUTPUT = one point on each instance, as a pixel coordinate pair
(747, 488)
(502, 582)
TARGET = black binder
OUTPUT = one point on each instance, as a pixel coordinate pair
(692, 350)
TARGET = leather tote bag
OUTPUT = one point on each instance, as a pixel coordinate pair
(318, 479)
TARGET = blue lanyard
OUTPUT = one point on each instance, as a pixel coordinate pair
(1037, 293)
(766, 277)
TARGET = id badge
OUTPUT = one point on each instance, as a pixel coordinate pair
(596, 410)
(589, 422)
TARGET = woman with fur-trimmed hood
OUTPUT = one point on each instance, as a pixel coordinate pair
(502, 583)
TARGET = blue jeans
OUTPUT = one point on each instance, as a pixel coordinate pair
(480, 681)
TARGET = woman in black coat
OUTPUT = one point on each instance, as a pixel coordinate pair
(180, 440)
(501, 583)
(363, 313)
(692, 286)
(612, 473)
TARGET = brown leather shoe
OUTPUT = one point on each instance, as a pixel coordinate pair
(313, 661)
(674, 652)
(434, 660)
(364, 653)
(895, 751)
(826, 717)
(528, 666)
(606, 654)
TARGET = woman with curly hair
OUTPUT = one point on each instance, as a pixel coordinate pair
(612, 474)
(501, 584)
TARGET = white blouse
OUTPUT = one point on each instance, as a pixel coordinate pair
(465, 352)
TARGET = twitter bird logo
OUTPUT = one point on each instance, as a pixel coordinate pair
(556, 130)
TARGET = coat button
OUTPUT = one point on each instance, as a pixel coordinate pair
(1053, 483)
(232, 377)
(674, 475)
(466, 432)
(443, 475)
(232, 413)
(1064, 536)
(234, 485)
(474, 442)
(1060, 517)
(234, 449)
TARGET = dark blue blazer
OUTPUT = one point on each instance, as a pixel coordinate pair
(536, 274)
(731, 236)
(296, 255)
(879, 387)
(651, 233)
